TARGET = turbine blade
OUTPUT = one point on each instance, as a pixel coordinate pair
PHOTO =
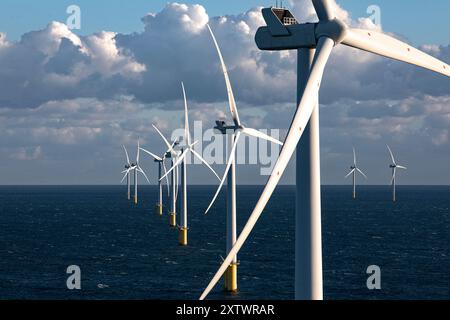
(164, 138)
(138, 152)
(360, 171)
(354, 157)
(143, 173)
(187, 134)
(349, 174)
(151, 154)
(387, 46)
(402, 167)
(126, 153)
(392, 155)
(305, 109)
(123, 179)
(167, 178)
(393, 175)
(229, 163)
(324, 9)
(204, 162)
(231, 100)
(260, 135)
(179, 160)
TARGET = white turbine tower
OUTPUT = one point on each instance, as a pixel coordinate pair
(314, 42)
(128, 169)
(394, 166)
(173, 154)
(161, 165)
(188, 148)
(230, 173)
(354, 170)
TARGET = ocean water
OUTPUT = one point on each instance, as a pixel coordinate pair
(127, 252)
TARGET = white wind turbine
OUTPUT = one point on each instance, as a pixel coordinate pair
(354, 170)
(128, 169)
(173, 154)
(394, 166)
(188, 148)
(161, 165)
(230, 173)
(135, 168)
(314, 42)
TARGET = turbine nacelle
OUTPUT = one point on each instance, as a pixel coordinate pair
(282, 33)
(223, 128)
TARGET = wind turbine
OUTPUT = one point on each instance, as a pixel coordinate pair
(230, 173)
(173, 155)
(188, 148)
(354, 170)
(128, 169)
(161, 165)
(135, 168)
(394, 166)
(314, 42)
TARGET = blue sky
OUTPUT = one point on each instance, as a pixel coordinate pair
(418, 20)
(70, 99)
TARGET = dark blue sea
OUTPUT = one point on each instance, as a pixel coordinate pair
(127, 252)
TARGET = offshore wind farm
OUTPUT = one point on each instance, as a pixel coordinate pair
(185, 218)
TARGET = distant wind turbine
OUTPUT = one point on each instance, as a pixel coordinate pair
(354, 169)
(128, 169)
(135, 168)
(394, 166)
(314, 43)
(161, 165)
(188, 148)
(230, 172)
(173, 154)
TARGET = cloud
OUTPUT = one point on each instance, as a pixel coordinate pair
(66, 98)
(175, 46)
(55, 64)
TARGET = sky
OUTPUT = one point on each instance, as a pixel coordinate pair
(400, 15)
(70, 98)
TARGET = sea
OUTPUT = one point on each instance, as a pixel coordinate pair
(127, 252)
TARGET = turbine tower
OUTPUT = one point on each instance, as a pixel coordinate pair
(188, 148)
(230, 173)
(128, 169)
(394, 166)
(354, 170)
(161, 165)
(173, 155)
(314, 42)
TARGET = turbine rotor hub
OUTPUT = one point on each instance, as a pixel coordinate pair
(334, 29)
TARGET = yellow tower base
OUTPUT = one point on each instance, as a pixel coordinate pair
(159, 209)
(173, 219)
(231, 278)
(135, 200)
(183, 236)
